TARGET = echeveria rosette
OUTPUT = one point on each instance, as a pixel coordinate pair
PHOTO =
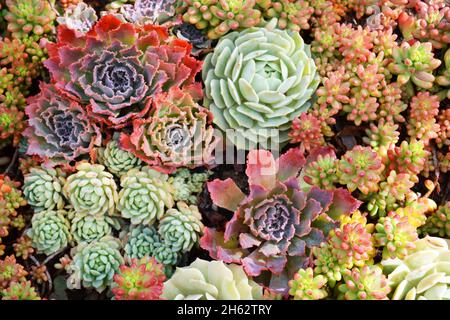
(87, 228)
(95, 264)
(423, 274)
(144, 196)
(181, 227)
(148, 11)
(141, 241)
(257, 81)
(50, 231)
(274, 228)
(177, 133)
(79, 18)
(117, 66)
(117, 160)
(59, 127)
(91, 190)
(211, 280)
(42, 188)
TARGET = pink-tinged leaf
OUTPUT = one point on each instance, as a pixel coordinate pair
(324, 197)
(213, 242)
(269, 249)
(230, 255)
(314, 238)
(225, 194)
(297, 247)
(343, 204)
(253, 264)
(261, 169)
(321, 151)
(276, 264)
(290, 163)
(246, 241)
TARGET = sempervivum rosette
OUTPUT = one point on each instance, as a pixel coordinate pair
(116, 66)
(58, 126)
(178, 132)
(273, 228)
(258, 80)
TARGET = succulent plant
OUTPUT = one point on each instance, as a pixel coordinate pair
(424, 109)
(438, 223)
(20, 291)
(381, 135)
(220, 17)
(148, 11)
(42, 188)
(393, 193)
(95, 264)
(409, 158)
(293, 15)
(87, 228)
(421, 275)
(352, 245)
(306, 286)
(141, 241)
(29, 18)
(177, 133)
(23, 247)
(416, 210)
(117, 160)
(142, 280)
(144, 196)
(443, 138)
(91, 190)
(366, 283)
(79, 18)
(414, 63)
(257, 80)
(307, 131)
(320, 169)
(327, 264)
(10, 201)
(11, 271)
(58, 126)
(195, 37)
(11, 125)
(444, 78)
(186, 185)
(360, 168)
(396, 235)
(181, 227)
(50, 231)
(274, 228)
(211, 280)
(140, 62)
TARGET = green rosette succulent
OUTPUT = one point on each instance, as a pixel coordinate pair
(95, 264)
(88, 228)
(306, 286)
(42, 189)
(144, 196)
(166, 255)
(91, 190)
(181, 228)
(414, 63)
(257, 82)
(438, 223)
(423, 274)
(50, 231)
(186, 185)
(141, 241)
(117, 160)
(211, 280)
(366, 283)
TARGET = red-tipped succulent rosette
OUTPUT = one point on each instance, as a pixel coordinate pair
(274, 228)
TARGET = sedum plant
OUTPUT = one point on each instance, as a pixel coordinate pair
(95, 264)
(438, 223)
(423, 273)
(91, 190)
(42, 188)
(181, 227)
(144, 196)
(187, 185)
(50, 231)
(211, 280)
(366, 283)
(274, 228)
(22, 290)
(143, 279)
(11, 271)
(306, 286)
(258, 80)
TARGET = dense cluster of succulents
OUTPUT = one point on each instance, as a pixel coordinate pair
(302, 145)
